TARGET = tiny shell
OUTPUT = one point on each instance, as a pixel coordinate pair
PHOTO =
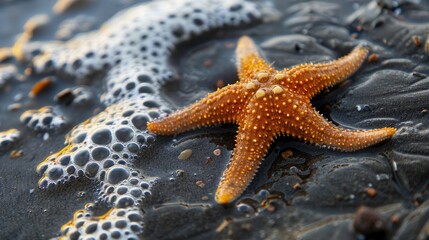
(185, 154)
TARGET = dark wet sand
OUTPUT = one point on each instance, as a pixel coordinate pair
(392, 91)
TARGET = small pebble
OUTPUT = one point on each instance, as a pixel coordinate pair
(18, 97)
(16, 153)
(220, 83)
(287, 154)
(223, 225)
(45, 136)
(370, 223)
(41, 86)
(419, 75)
(65, 96)
(185, 154)
(217, 152)
(297, 186)
(14, 106)
(179, 172)
(373, 57)
(200, 183)
(417, 40)
(81, 194)
(395, 219)
(271, 208)
(371, 192)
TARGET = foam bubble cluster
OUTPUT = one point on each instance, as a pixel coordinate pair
(104, 148)
(7, 73)
(43, 119)
(8, 139)
(122, 223)
(133, 48)
(136, 43)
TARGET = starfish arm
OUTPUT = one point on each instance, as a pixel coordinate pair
(254, 137)
(307, 124)
(223, 106)
(250, 63)
(310, 79)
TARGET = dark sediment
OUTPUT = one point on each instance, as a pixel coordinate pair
(392, 91)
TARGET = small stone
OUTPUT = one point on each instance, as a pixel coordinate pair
(16, 153)
(371, 192)
(14, 107)
(41, 86)
(220, 83)
(419, 75)
(417, 40)
(217, 152)
(394, 219)
(185, 154)
(45, 136)
(271, 208)
(373, 57)
(81, 194)
(287, 154)
(297, 186)
(200, 183)
(370, 223)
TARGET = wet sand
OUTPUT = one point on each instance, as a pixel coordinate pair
(313, 194)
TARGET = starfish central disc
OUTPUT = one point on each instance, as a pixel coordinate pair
(267, 103)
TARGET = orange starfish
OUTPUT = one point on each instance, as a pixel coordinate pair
(267, 103)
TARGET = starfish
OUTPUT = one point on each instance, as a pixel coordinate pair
(267, 103)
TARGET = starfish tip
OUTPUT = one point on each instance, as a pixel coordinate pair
(150, 126)
(224, 198)
(391, 131)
